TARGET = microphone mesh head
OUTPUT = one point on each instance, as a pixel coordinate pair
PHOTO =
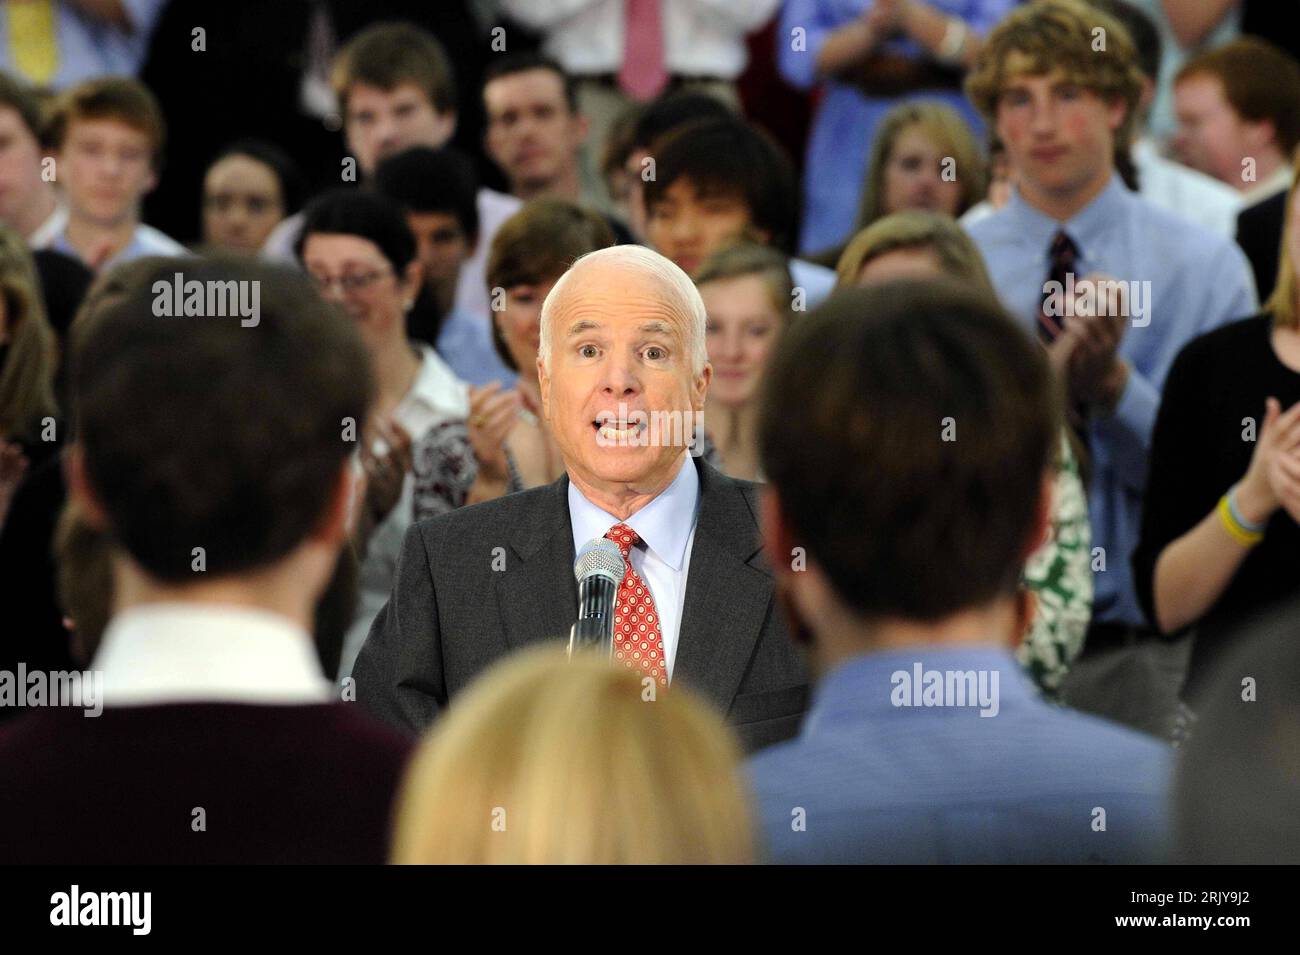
(600, 556)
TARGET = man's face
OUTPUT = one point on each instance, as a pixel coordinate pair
(106, 168)
(441, 246)
(614, 341)
(381, 122)
(1059, 136)
(531, 133)
(20, 165)
(688, 227)
(1211, 136)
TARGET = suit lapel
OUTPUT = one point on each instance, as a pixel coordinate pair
(537, 594)
(728, 592)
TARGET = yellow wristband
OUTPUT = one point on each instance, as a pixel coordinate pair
(1240, 534)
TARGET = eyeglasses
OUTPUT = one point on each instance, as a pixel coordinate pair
(350, 284)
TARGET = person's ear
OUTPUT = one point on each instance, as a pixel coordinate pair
(80, 491)
(1041, 531)
(702, 384)
(412, 276)
(446, 126)
(544, 386)
(1116, 113)
(335, 524)
(581, 128)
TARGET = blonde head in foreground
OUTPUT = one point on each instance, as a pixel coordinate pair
(547, 760)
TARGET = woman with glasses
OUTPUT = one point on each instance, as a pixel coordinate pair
(357, 248)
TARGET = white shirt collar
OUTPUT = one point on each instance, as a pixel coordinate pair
(181, 652)
(1280, 181)
(437, 393)
(664, 524)
(49, 230)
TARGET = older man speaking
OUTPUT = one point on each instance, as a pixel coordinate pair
(624, 374)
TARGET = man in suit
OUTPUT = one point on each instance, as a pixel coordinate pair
(224, 479)
(920, 484)
(621, 355)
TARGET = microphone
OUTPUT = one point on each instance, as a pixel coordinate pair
(599, 569)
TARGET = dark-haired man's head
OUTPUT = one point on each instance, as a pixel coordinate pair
(26, 198)
(715, 181)
(247, 189)
(396, 89)
(534, 130)
(218, 455)
(438, 191)
(356, 246)
(646, 125)
(1238, 109)
(906, 434)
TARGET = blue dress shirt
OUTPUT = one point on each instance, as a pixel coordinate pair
(870, 780)
(1199, 281)
(89, 47)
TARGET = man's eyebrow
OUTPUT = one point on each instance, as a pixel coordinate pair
(582, 325)
(656, 328)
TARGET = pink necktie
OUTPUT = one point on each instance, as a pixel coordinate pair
(638, 642)
(643, 75)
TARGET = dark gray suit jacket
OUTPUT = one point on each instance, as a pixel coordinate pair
(452, 613)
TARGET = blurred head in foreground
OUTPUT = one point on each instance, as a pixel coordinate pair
(551, 760)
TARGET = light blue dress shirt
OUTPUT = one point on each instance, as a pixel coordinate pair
(867, 780)
(667, 529)
(465, 343)
(1199, 281)
(844, 126)
(89, 47)
(146, 240)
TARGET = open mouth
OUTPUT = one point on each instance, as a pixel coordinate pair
(613, 430)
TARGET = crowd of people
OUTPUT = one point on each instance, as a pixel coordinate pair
(947, 430)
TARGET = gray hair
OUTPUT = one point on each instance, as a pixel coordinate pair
(674, 285)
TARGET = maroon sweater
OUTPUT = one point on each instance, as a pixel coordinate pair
(302, 784)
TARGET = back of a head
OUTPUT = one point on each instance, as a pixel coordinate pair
(906, 429)
(1237, 786)
(205, 432)
(1141, 29)
(953, 250)
(364, 213)
(422, 180)
(549, 760)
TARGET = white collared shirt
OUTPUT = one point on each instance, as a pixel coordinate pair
(700, 37)
(667, 529)
(190, 652)
(1280, 181)
(1182, 190)
(48, 231)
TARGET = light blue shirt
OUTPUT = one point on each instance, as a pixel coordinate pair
(817, 281)
(870, 780)
(89, 47)
(667, 529)
(835, 166)
(146, 240)
(465, 343)
(1199, 281)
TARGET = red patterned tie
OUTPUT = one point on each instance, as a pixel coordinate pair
(638, 641)
(643, 74)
